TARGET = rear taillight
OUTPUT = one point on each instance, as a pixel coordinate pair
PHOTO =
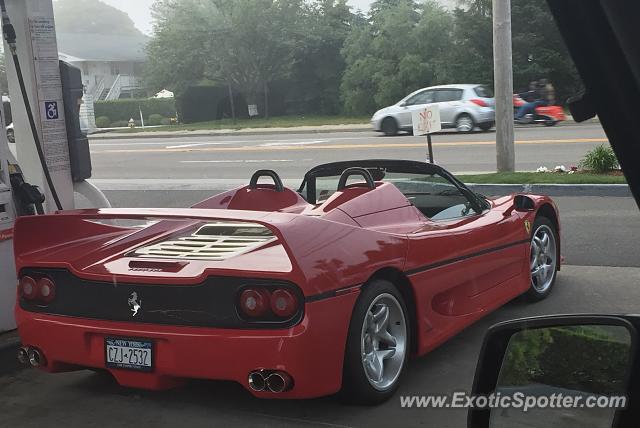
(268, 304)
(254, 303)
(479, 102)
(283, 303)
(41, 290)
(27, 287)
(46, 290)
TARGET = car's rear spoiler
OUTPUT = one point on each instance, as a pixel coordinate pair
(328, 251)
(34, 233)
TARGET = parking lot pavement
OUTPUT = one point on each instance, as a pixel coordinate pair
(32, 398)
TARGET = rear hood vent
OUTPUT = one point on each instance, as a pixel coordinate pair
(212, 241)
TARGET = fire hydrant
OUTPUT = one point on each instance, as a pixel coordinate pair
(132, 123)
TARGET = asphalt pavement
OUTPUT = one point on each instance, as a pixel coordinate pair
(290, 154)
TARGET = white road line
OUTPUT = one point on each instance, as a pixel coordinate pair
(186, 144)
(241, 161)
(293, 143)
(128, 143)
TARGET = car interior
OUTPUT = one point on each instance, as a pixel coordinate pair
(433, 191)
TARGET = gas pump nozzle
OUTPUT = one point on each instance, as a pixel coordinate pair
(29, 197)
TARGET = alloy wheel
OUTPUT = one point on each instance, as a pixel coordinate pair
(543, 258)
(383, 341)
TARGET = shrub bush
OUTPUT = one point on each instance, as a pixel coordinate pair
(155, 119)
(103, 122)
(601, 159)
(120, 124)
(126, 109)
(165, 121)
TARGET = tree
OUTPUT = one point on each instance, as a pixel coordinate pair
(92, 16)
(319, 65)
(245, 43)
(401, 47)
(538, 49)
(255, 42)
(176, 54)
(472, 57)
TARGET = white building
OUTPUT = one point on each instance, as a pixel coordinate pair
(111, 64)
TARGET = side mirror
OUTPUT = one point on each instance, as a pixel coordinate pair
(523, 203)
(564, 371)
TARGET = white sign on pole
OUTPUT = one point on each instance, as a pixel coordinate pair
(426, 120)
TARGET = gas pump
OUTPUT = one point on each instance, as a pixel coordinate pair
(7, 217)
(53, 159)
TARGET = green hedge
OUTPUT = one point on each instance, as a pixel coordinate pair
(572, 357)
(103, 122)
(125, 109)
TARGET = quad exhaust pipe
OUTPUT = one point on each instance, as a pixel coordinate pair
(257, 381)
(28, 355)
(270, 381)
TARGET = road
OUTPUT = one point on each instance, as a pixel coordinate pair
(234, 157)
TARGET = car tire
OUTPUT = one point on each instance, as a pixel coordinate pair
(486, 126)
(389, 126)
(543, 261)
(378, 345)
(464, 123)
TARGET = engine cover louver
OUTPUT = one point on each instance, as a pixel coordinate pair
(212, 241)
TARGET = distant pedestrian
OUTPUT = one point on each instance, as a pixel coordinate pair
(547, 92)
(533, 99)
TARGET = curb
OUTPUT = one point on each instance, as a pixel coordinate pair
(8, 350)
(604, 190)
(222, 133)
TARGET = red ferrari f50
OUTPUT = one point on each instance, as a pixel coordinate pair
(292, 294)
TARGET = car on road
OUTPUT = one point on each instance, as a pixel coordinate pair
(463, 107)
(293, 294)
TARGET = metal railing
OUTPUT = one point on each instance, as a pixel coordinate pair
(96, 90)
(115, 90)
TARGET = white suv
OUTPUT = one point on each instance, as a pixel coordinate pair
(463, 107)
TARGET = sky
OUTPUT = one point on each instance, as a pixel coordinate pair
(140, 10)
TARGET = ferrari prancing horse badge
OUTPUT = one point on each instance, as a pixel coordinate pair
(527, 226)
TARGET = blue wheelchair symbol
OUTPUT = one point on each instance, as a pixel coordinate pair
(51, 109)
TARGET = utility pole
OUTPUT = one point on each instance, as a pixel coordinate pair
(232, 102)
(503, 82)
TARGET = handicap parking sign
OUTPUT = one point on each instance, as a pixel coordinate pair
(51, 110)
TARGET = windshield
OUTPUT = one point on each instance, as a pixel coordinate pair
(435, 195)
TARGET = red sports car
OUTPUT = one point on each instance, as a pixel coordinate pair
(293, 294)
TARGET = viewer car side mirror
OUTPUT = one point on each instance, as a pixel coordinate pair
(564, 371)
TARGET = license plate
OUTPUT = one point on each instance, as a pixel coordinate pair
(126, 353)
